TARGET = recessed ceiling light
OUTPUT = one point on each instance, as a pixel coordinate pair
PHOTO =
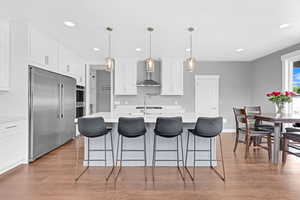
(282, 26)
(188, 50)
(239, 50)
(69, 23)
(138, 49)
(96, 49)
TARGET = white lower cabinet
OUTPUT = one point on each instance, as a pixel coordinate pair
(13, 145)
(171, 77)
(4, 56)
(125, 77)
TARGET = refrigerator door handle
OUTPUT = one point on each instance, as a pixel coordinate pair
(62, 101)
(59, 101)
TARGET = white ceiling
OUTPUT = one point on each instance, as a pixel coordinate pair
(221, 25)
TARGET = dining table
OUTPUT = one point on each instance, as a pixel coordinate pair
(278, 120)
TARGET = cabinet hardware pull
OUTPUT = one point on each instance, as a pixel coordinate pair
(9, 127)
(46, 60)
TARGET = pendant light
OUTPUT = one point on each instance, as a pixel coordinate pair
(190, 62)
(109, 61)
(150, 62)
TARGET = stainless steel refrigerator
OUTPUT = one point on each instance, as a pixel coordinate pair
(52, 103)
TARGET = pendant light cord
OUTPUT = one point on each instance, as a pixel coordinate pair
(191, 44)
(150, 45)
(109, 44)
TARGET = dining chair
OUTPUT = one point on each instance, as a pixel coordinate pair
(243, 126)
(291, 140)
(251, 111)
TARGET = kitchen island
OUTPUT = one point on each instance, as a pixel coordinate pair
(111, 118)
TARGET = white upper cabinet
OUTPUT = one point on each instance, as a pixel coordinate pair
(71, 65)
(125, 77)
(4, 56)
(43, 51)
(172, 77)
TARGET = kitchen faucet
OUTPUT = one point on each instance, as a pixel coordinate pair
(145, 101)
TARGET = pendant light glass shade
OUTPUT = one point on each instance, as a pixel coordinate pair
(150, 65)
(150, 62)
(110, 64)
(109, 61)
(190, 63)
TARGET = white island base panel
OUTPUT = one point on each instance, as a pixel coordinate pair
(162, 143)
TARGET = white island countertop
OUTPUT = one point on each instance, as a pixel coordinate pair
(111, 117)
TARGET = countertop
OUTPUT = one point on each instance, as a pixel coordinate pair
(111, 117)
(6, 119)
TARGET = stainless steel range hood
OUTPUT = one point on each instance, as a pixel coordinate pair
(148, 82)
(148, 79)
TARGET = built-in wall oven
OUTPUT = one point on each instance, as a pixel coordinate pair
(80, 101)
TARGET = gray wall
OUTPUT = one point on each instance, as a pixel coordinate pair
(235, 88)
(267, 75)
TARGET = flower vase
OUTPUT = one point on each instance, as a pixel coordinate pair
(279, 107)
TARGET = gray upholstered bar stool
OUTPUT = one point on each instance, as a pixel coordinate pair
(92, 128)
(130, 128)
(168, 127)
(208, 128)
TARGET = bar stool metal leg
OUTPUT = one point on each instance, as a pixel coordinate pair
(105, 160)
(116, 178)
(145, 158)
(221, 175)
(112, 155)
(88, 149)
(178, 159)
(154, 156)
(194, 169)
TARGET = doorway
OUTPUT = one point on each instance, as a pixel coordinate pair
(100, 90)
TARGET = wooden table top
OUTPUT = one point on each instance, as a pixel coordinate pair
(282, 118)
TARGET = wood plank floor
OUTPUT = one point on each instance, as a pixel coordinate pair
(52, 177)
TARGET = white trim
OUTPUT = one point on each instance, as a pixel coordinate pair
(12, 166)
(287, 75)
(291, 55)
(228, 130)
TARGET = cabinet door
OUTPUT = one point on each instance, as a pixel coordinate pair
(65, 60)
(13, 145)
(43, 51)
(125, 77)
(4, 56)
(172, 77)
(71, 65)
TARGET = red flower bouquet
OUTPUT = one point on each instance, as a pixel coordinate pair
(280, 98)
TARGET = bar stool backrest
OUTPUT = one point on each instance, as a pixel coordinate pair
(131, 127)
(169, 126)
(92, 127)
(209, 126)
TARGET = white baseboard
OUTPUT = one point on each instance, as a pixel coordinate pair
(228, 130)
(16, 164)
